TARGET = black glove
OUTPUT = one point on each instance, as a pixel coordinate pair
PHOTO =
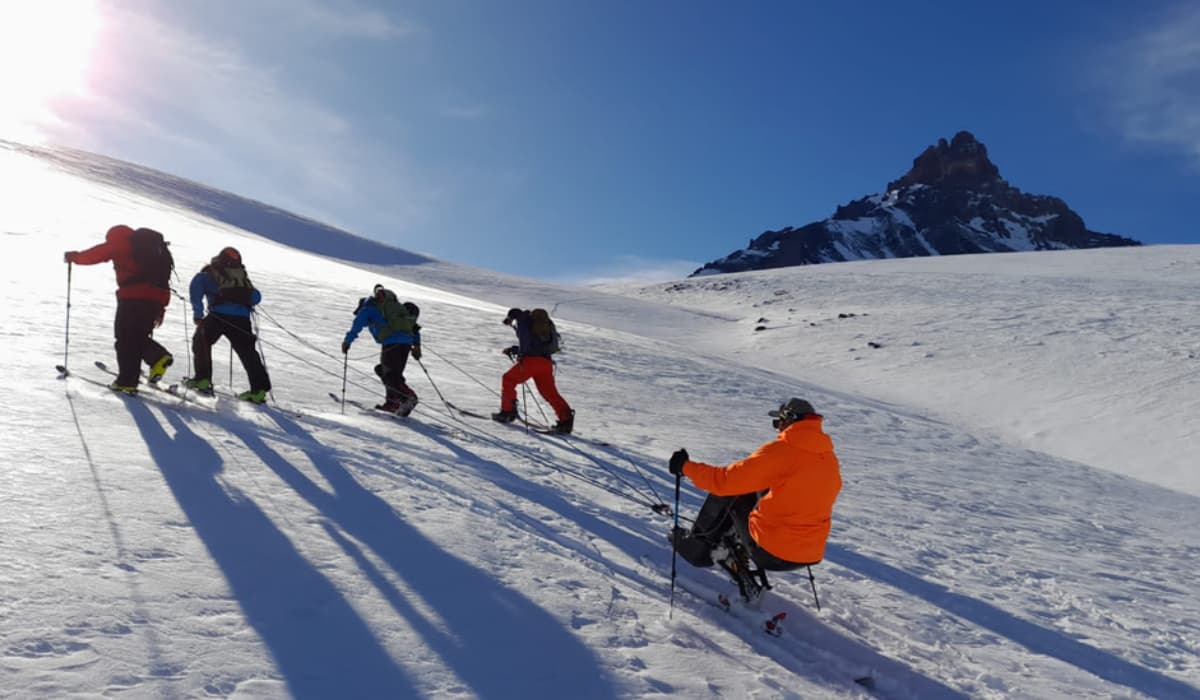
(512, 351)
(678, 459)
(345, 348)
(416, 352)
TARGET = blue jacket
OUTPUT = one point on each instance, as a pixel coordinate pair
(204, 288)
(369, 316)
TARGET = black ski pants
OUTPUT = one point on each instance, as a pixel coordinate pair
(133, 327)
(721, 515)
(241, 337)
(392, 361)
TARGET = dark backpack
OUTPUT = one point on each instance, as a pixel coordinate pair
(543, 329)
(233, 284)
(152, 258)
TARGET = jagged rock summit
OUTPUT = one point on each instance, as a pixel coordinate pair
(952, 201)
(963, 162)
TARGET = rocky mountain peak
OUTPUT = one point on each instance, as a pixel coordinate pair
(963, 162)
(952, 202)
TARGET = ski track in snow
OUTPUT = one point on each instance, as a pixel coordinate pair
(149, 548)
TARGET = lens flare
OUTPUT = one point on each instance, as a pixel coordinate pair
(46, 47)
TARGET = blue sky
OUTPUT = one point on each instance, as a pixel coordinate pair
(584, 140)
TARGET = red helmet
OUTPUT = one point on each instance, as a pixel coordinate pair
(230, 254)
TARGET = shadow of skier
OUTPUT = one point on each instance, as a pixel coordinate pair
(495, 639)
(321, 646)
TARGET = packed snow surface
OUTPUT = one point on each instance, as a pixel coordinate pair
(1017, 434)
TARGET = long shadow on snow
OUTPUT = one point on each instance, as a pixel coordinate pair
(821, 636)
(813, 630)
(495, 639)
(627, 541)
(1038, 639)
(321, 646)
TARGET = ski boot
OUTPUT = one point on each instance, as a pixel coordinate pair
(252, 396)
(505, 416)
(565, 426)
(406, 405)
(406, 402)
(158, 369)
(200, 386)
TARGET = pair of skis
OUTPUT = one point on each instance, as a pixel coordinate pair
(772, 624)
(172, 390)
(749, 614)
(532, 427)
(365, 408)
(199, 398)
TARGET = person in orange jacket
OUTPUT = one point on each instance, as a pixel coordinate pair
(142, 298)
(778, 501)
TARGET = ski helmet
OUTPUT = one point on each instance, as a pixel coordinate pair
(790, 411)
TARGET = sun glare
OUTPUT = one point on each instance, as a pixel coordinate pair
(45, 50)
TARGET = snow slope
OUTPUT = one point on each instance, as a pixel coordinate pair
(155, 549)
(1090, 355)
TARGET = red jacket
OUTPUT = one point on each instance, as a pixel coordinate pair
(117, 248)
(802, 475)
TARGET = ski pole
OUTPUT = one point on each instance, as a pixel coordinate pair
(524, 396)
(345, 368)
(525, 402)
(812, 581)
(262, 355)
(187, 340)
(525, 393)
(674, 545)
(435, 387)
(545, 418)
(67, 338)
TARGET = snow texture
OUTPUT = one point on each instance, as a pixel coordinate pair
(1018, 436)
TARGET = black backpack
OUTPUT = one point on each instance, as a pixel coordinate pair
(543, 329)
(152, 258)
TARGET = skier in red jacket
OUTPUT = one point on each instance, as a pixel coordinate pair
(142, 298)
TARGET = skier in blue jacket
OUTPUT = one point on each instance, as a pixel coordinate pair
(230, 296)
(394, 326)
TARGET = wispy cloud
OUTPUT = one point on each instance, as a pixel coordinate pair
(1152, 83)
(194, 103)
(344, 20)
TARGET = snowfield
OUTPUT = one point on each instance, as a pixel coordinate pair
(1018, 436)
